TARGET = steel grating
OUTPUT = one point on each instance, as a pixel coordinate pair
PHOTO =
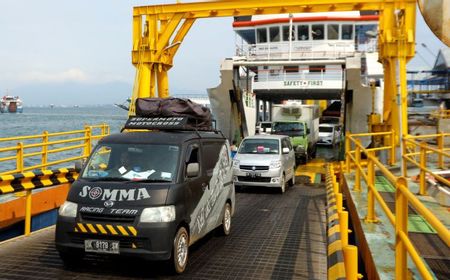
(273, 236)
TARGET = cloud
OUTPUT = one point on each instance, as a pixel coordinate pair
(69, 75)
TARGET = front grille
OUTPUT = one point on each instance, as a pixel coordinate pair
(257, 167)
(107, 218)
(125, 242)
(254, 179)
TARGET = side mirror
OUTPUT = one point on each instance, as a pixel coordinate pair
(79, 165)
(307, 131)
(285, 150)
(192, 170)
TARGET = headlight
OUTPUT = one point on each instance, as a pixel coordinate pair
(163, 214)
(275, 164)
(235, 163)
(68, 209)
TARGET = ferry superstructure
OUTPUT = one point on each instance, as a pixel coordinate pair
(305, 56)
(11, 104)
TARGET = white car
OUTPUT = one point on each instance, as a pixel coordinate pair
(329, 134)
(266, 161)
(264, 128)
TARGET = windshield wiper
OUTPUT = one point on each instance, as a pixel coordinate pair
(150, 181)
(118, 179)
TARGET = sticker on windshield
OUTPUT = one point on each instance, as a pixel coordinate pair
(122, 170)
(166, 175)
(138, 175)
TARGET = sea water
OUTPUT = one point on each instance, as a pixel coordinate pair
(34, 121)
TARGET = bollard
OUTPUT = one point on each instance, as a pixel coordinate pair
(351, 262)
(343, 222)
(338, 202)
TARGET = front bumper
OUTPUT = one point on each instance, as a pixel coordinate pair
(149, 241)
(325, 141)
(260, 178)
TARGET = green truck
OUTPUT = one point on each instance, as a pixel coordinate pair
(301, 123)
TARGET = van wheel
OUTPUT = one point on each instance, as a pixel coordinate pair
(180, 250)
(226, 220)
(292, 181)
(71, 258)
(283, 184)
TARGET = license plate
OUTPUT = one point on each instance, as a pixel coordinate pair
(101, 246)
(253, 174)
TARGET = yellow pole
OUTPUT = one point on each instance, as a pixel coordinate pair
(403, 95)
(392, 158)
(341, 174)
(44, 150)
(401, 225)
(351, 262)
(357, 170)
(403, 160)
(144, 80)
(87, 141)
(152, 80)
(19, 157)
(371, 217)
(347, 151)
(343, 222)
(163, 84)
(28, 199)
(339, 202)
(423, 164)
(440, 142)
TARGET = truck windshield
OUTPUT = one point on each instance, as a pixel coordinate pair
(260, 146)
(132, 162)
(288, 128)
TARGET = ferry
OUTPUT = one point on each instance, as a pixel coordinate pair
(11, 104)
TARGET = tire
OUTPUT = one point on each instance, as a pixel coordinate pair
(180, 250)
(283, 184)
(70, 258)
(292, 181)
(225, 228)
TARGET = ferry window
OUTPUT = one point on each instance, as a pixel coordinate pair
(333, 31)
(291, 69)
(261, 35)
(303, 32)
(316, 68)
(274, 34)
(347, 32)
(286, 33)
(317, 32)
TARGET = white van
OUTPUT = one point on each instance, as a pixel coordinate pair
(329, 134)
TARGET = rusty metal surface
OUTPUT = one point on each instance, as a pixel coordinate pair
(273, 236)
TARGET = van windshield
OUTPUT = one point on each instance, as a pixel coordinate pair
(260, 146)
(288, 128)
(325, 129)
(132, 162)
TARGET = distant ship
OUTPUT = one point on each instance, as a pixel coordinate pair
(11, 104)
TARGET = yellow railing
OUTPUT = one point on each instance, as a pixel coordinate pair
(404, 197)
(48, 149)
(414, 146)
(441, 114)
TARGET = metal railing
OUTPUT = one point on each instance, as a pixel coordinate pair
(404, 198)
(441, 114)
(38, 152)
(414, 146)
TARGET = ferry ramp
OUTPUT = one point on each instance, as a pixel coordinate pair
(273, 236)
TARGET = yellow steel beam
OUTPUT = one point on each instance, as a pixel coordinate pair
(154, 48)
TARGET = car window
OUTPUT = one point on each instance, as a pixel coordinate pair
(193, 156)
(260, 146)
(284, 143)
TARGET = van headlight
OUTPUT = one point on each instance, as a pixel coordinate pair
(68, 209)
(275, 164)
(163, 214)
(236, 163)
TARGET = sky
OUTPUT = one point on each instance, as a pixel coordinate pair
(79, 52)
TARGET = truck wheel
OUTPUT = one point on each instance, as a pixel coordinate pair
(225, 229)
(180, 250)
(283, 184)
